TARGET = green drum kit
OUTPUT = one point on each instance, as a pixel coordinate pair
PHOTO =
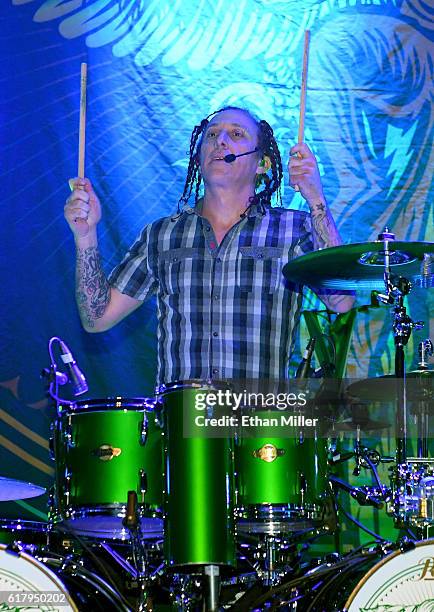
(144, 515)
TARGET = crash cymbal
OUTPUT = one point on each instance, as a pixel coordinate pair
(361, 265)
(419, 385)
(11, 489)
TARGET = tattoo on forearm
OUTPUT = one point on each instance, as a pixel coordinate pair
(325, 233)
(92, 288)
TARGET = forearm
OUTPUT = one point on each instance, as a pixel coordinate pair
(325, 234)
(324, 231)
(92, 288)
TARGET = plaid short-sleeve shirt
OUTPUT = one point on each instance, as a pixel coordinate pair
(224, 311)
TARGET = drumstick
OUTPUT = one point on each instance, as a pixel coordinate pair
(303, 86)
(303, 92)
(82, 125)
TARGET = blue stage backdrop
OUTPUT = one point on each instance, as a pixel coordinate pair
(156, 67)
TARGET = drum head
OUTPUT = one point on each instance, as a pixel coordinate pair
(401, 581)
(26, 583)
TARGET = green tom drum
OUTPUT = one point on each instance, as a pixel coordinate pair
(103, 449)
(199, 486)
(280, 483)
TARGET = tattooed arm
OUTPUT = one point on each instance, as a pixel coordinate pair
(303, 171)
(100, 306)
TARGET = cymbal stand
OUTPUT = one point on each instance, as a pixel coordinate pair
(397, 287)
(132, 523)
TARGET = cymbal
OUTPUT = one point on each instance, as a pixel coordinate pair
(11, 489)
(419, 385)
(351, 425)
(361, 265)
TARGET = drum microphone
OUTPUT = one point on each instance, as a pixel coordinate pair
(340, 458)
(75, 375)
(131, 520)
(363, 496)
(304, 369)
(231, 157)
(52, 375)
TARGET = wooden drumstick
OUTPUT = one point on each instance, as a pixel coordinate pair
(82, 125)
(303, 86)
(303, 92)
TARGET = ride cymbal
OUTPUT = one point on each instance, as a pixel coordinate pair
(361, 265)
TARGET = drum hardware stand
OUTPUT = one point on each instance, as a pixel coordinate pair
(132, 523)
(366, 457)
(185, 592)
(212, 576)
(397, 287)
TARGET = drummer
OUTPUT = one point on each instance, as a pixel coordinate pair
(224, 309)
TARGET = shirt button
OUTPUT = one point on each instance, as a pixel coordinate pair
(215, 334)
(217, 297)
(219, 260)
(208, 229)
(215, 371)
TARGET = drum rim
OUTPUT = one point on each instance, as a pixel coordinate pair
(45, 570)
(107, 510)
(6, 522)
(193, 383)
(108, 404)
(377, 566)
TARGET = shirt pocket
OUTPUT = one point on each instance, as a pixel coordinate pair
(259, 269)
(175, 269)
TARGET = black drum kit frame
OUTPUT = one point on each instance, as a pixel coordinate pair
(143, 518)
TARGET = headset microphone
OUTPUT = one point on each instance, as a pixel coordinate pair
(231, 157)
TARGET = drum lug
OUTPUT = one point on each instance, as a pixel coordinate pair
(51, 502)
(51, 452)
(143, 484)
(68, 435)
(67, 488)
(144, 430)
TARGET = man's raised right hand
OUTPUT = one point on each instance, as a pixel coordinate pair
(82, 208)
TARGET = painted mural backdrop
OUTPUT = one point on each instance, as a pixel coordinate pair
(156, 68)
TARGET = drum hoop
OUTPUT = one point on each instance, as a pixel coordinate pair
(377, 566)
(137, 404)
(48, 573)
(177, 385)
(25, 525)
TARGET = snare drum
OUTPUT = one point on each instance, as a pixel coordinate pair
(413, 488)
(27, 583)
(199, 486)
(400, 581)
(280, 483)
(103, 449)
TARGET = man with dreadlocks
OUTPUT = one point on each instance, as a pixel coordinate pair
(224, 309)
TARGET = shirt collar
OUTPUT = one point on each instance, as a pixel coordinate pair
(252, 211)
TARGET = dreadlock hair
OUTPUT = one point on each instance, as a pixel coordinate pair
(267, 146)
